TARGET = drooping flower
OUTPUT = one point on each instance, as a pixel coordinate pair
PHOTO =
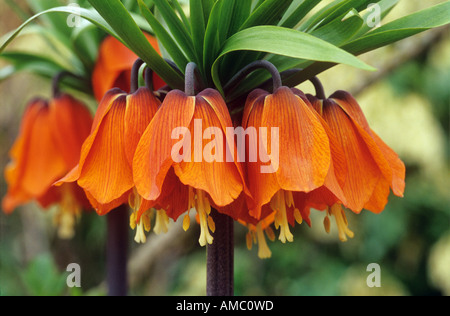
(373, 168)
(300, 150)
(114, 64)
(104, 169)
(181, 162)
(48, 146)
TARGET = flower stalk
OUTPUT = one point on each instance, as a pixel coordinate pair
(117, 251)
(220, 257)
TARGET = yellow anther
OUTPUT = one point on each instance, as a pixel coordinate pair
(341, 222)
(278, 204)
(298, 216)
(67, 215)
(161, 223)
(186, 222)
(203, 209)
(263, 250)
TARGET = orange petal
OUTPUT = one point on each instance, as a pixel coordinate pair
(379, 198)
(262, 186)
(72, 123)
(304, 149)
(103, 209)
(352, 108)
(153, 156)
(103, 109)
(175, 196)
(363, 172)
(113, 67)
(141, 108)
(42, 163)
(105, 172)
(397, 166)
(213, 174)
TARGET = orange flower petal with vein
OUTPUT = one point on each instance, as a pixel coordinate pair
(373, 167)
(180, 162)
(221, 179)
(47, 147)
(304, 149)
(113, 67)
(105, 167)
(153, 158)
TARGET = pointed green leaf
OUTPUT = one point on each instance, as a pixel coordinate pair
(269, 12)
(164, 37)
(178, 29)
(415, 23)
(297, 12)
(286, 42)
(89, 15)
(129, 32)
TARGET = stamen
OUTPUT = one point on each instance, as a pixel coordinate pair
(144, 223)
(278, 204)
(140, 237)
(68, 214)
(186, 222)
(263, 250)
(162, 222)
(249, 240)
(341, 222)
(270, 234)
(204, 209)
(298, 216)
(327, 223)
(255, 235)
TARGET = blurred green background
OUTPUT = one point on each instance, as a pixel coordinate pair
(407, 103)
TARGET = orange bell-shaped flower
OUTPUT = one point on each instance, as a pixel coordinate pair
(181, 163)
(300, 149)
(104, 169)
(373, 168)
(48, 146)
(114, 64)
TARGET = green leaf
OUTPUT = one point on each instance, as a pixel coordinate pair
(337, 32)
(385, 7)
(42, 66)
(164, 37)
(198, 27)
(207, 8)
(215, 31)
(86, 41)
(340, 30)
(407, 26)
(331, 12)
(241, 12)
(297, 12)
(89, 15)
(286, 42)
(56, 22)
(179, 30)
(269, 12)
(33, 63)
(129, 32)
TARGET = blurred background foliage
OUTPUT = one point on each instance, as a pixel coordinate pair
(407, 103)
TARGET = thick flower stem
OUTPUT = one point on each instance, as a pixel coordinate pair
(320, 91)
(220, 257)
(260, 64)
(117, 251)
(134, 84)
